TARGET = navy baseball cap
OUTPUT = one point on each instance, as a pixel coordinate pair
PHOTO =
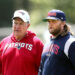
(55, 15)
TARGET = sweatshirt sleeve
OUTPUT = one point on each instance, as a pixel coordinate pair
(71, 53)
(39, 47)
(0, 60)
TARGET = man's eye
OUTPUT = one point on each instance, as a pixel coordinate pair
(21, 23)
(15, 23)
(52, 20)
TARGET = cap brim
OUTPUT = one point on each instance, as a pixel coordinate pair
(20, 18)
(47, 18)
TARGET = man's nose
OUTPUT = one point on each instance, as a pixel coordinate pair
(18, 26)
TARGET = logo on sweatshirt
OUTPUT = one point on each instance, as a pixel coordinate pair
(19, 46)
(54, 48)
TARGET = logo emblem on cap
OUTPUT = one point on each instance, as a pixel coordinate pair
(61, 17)
(22, 13)
(51, 14)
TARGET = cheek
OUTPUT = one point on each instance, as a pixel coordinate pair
(24, 29)
(62, 27)
(14, 28)
(49, 26)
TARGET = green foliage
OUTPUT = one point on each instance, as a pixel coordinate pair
(6, 8)
(68, 6)
(41, 8)
(38, 9)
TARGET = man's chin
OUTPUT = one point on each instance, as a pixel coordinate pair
(51, 31)
(17, 34)
(18, 37)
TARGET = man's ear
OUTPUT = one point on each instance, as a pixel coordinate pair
(63, 23)
(28, 25)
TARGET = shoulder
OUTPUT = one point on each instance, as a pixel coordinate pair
(69, 45)
(70, 40)
(46, 46)
(33, 37)
(6, 39)
(37, 40)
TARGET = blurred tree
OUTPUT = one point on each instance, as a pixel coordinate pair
(68, 6)
(6, 8)
(21, 4)
(37, 9)
(41, 7)
(18, 4)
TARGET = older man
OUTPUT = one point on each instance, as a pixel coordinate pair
(20, 52)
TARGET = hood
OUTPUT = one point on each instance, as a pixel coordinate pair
(28, 35)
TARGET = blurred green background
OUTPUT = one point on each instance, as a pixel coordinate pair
(37, 9)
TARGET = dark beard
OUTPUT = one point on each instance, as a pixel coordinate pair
(56, 32)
